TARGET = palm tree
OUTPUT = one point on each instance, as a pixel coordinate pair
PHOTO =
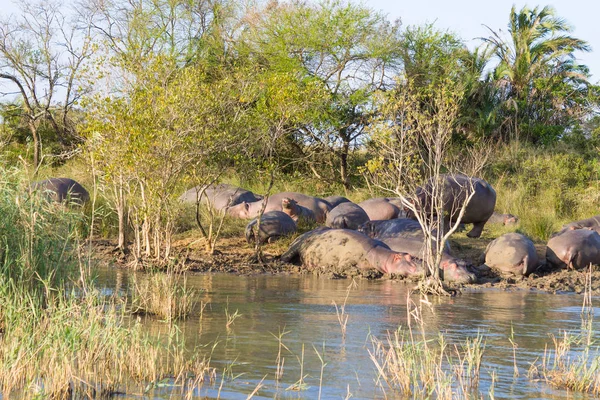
(536, 64)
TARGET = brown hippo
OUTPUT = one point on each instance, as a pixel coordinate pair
(219, 196)
(62, 189)
(453, 269)
(250, 210)
(273, 225)
(574, 249)
(340, 249)
(592, 223)
(380, 208)
(297, 212)
(512, 253)
(456, 190)
(335, 201)
(404, 227)
(504, 219)
(346, 216)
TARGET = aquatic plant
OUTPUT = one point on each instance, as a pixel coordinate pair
(164, 295)
(410, 364)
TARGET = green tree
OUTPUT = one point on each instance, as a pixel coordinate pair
(43, 52)
(544, 91)
(347, 48)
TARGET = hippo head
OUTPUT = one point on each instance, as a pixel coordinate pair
(241, 210)
(367, 228)
(405, 265)
(288, 203)
(455, 271)
(510, 219)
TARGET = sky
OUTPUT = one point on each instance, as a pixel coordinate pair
(468, 17)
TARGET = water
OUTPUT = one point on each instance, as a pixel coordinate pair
(302, 307)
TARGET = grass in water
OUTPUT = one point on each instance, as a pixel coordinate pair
(410, 364)
(572, 360)
(164, 295)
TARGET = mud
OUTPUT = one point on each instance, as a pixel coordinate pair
(235, 256)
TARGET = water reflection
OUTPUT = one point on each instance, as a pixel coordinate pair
(302, 307)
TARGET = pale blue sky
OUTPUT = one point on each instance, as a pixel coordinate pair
(468, 17)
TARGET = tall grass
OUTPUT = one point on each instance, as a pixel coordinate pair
(86, 347)
(165, 295)
(572, 361)
(412, 365)
(59, 337)
(37, 237)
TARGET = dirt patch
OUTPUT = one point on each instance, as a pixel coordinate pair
(235, 256)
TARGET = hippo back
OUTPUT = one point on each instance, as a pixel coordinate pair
(346, 216)
(62, 189)
(379, 208)
(401, 227)
(273, 225)
(335, 201)
(574, 249)
(219, 196)
(512, 253)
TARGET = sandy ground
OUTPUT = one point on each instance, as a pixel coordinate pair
(235, 256)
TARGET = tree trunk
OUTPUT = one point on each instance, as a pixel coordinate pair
(343, 154)
(36, 143)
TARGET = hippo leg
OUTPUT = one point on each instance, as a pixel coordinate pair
(477, 229)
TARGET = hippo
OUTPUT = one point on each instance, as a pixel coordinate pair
(380, 208)
(249, 210)
(574, 249)
(62, 190)
(335, 201)
(346, 216)
(340, 249)
(273, 226)
(219, 196)
(452, 269)
(592, 223)
(456, 190)
(512, 253)
(297, 212)
(392, 228)
(504, 219)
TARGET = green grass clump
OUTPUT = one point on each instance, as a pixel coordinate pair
(164, 295)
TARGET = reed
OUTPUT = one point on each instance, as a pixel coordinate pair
(572, 360)
(86, 346)
(410, 364)
(164, 295)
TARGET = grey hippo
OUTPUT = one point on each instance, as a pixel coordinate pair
(273, 226)
(512, 253)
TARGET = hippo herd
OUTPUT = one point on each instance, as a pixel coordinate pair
(379, 233)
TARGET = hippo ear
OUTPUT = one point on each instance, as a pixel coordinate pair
(246, 206)
(407, 257)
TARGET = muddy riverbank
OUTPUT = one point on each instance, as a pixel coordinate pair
(235, 256)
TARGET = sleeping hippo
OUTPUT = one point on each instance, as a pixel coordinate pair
(62, 189)
(457, 187)
(340, 249)
(219, 196)
(452, 269)
(590, 223)
(574, 249)
(346, 216)
(392, 228)
(250, 210)
(504, 219)
(380, 208)
(335, 201)
(297, 212)
(512, 253)
(273, 226)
